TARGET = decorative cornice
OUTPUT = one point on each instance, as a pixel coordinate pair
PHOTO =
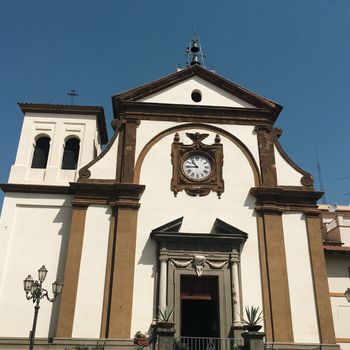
(279, 199)
(26, 188)
(70, 109)
(85, 193)
(108, 192)
(200, 237)
(190, 113)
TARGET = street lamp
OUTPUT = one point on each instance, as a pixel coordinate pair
(347, 295)
(36, 292)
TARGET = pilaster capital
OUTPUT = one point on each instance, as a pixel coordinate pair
(163, 258)
(79, 205)
(234, 258)
(263, 128)
(269, 209)
(126, 203)
(131, 120)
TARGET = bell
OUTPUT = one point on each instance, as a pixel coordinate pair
(195, 46)
(195, 60)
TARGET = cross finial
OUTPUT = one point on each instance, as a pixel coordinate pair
(72, 93)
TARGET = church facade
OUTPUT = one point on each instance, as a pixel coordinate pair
(192, 205)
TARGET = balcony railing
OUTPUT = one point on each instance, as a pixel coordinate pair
(203, 343)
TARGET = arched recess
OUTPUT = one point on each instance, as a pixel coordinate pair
(41, 152)
(71, 153)
(211, 128)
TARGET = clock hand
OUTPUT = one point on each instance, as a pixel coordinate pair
(192, 160)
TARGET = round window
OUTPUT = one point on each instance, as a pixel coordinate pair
(196, 96)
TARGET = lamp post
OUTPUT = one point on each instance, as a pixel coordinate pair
(347, 295)
(36, 292)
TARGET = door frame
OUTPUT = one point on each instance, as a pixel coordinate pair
(224, 291)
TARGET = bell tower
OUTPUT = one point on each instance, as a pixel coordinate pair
(56, 140)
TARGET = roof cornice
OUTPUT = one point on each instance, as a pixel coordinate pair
(170, 80)
(70, 109)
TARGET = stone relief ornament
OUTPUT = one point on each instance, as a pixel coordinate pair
(199, 262)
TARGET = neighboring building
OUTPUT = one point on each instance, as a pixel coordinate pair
(336, 240)
(193, 204)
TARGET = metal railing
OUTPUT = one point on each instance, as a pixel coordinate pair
(203, 343)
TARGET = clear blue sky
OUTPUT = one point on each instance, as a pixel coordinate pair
(296, 53)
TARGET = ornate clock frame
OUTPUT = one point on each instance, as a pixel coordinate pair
(180, 152)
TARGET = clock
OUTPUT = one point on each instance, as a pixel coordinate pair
(197, 167)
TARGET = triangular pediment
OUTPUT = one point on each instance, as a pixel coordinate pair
(215, 91)
(208, 93)
(172, 226)
(219, 228)
(224, 238)
(222, 227)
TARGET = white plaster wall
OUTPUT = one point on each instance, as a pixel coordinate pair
(338, 271)
(33, 232)
(344, 346)
(58, 127)
(345, 235)
(159, 206)
(302, 299)
(286, 174)
(88, 311)
(211, 95)
(344, 223)
(106, 167)
(149, 129)
(338, 219)
(341, 317)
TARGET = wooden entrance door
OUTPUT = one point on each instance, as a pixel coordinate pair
(199, 306)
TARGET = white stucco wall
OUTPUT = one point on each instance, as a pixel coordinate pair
(338, 270)
(149, 129)
(33, 232)
(105, 168)
(88, 311)
(302, 299)
(341, 317)
(59, 127)
(159, 206)
(286, 174)
(211, 95)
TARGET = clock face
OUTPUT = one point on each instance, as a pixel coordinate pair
(197, 167)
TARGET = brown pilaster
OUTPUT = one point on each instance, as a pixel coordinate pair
(126, 151)
(280, 311)
(266, 155)
(123, 270)
(319, 275)
(271, 202)
(71, 274)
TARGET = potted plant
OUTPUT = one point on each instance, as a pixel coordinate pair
(253, 315)
(164, 318)
(141, 339)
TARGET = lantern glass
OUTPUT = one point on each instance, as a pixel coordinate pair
(57, 287)
(27, 284)
(35, 286)
(42, 273)
(347, 295)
